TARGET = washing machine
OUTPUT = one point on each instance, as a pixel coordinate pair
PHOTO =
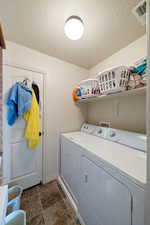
(104, 170)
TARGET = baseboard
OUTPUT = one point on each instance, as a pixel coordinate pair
(61, 182)
(49, 179)
(68, 194)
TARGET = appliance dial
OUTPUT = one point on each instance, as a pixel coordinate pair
(112, 134)
(100, 131)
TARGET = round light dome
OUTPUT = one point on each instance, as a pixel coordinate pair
(74, 28)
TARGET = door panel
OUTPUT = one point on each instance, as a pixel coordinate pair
(17, 131)
(25, 164)
(103, 200)
(19, 167)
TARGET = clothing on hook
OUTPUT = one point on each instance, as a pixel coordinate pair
(35, 87)
(19, 101)
(27, 82)
(32, 117)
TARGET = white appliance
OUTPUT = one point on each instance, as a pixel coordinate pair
(104, 170)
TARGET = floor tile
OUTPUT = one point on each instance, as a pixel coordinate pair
(32, 208)
(54, 212)
(50, 196)
(70, 210)
(49, 187)
(48, 205)
(51, 200)
(31, 192)
(38, 220)
(63, 220)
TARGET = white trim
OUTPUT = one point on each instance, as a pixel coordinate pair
(147, 196)
(59, 154)
(19, 66)
(50, 178)
(68, 194)
(70, 199)
(44, 162)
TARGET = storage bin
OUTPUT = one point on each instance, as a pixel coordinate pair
(14, 196)
(89, 88)
(17, 217)
(113, 80)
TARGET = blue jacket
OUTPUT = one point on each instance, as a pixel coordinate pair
(19, 101)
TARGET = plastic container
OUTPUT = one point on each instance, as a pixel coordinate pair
(14, 196)
(76, 94)
(16, 218)
(113, 80)
(89, 88)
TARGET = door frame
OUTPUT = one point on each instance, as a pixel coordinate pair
(147, 195)
(6, 173)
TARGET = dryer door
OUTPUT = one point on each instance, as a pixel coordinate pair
(103, 199)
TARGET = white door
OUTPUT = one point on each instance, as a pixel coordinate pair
(24, 164)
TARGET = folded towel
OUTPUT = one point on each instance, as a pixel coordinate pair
(19, 101)
(32, 117)
(141, 69)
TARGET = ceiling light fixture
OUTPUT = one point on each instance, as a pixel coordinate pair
(74, 28)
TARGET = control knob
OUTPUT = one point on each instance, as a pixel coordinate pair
(100, 131)
(112, 134)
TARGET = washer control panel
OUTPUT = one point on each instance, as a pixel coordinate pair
(131, 139)
(88, 128)
(100, 132)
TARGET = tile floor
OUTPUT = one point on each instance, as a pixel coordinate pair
(47, 205)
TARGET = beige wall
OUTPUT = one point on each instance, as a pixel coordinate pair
(126, 56)
(61, 113)
(131, 110)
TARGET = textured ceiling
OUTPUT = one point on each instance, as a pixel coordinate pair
(39, 24)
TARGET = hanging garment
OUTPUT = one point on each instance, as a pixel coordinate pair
(35, 87)
(32, 129)
(19, 101)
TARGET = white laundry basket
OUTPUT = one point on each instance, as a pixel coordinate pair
(17, 217)
(89, 88)
(113, 80)
(14, 196)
